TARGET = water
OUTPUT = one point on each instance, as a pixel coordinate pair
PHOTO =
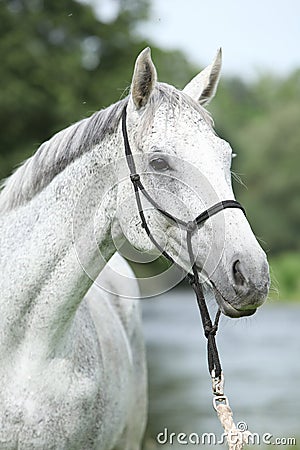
(260, 359)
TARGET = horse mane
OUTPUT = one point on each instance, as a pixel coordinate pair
(54, 155)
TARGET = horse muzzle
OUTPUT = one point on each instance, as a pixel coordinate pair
(247, 291)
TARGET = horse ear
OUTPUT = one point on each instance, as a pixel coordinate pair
(144, 79)
(203, 87)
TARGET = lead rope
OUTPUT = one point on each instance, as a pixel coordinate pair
(235, 438)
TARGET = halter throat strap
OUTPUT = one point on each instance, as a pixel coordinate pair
(190, 227)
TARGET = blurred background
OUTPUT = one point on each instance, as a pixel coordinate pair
(61, 60)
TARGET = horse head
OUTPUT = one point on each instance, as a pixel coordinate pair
(185, 168)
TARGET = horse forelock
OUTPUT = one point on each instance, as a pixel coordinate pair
(172, 97)
(54, 155)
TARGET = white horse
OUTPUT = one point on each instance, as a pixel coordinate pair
(73, 367)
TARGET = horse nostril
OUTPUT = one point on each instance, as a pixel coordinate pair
(238, 275)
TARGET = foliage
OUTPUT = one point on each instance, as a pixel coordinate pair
(59, 64)
(285, 270)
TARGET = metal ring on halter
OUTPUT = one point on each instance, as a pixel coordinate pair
(190, 227)
(220, 399)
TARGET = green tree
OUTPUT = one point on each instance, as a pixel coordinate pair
(270, 161)
(60, 63)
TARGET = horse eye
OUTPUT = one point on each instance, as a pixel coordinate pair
(159, 164)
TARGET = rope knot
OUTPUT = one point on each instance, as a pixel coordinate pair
(210, 330)
(135, 177)
(191, 226)
(191, 279)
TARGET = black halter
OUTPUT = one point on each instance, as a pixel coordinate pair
(209, 328)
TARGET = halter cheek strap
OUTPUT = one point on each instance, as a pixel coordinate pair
(190, 227)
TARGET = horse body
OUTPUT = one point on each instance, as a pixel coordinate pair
(72, 360)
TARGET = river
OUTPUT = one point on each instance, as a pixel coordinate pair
(260, 359)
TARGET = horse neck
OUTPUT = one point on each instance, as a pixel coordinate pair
(51, 251)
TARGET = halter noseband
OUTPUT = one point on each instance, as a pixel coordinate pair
(209, 328)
